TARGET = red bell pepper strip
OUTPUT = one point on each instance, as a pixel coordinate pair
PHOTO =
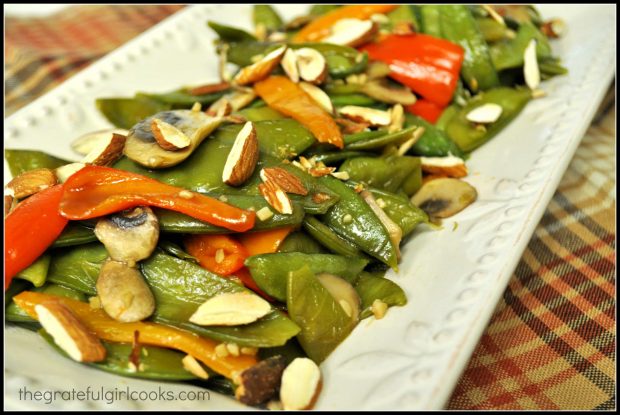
(205, 249)
(30, 229)
(428, 65)
(96, 191)
(426, 109)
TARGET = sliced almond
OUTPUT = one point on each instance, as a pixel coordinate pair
(264, 214)
(444, 197)
(530, 66)
(231, 309)
(397, 118)
(242, 158)
(225, 74)
(210, 88)
(494, 14)
(321, 171)
(343, 292)
(241, 98)
(366, 115)
(276, 197)
(379, 309)
(300, 384)
(85, 144)
(485, 114)
(260, 382)
(289, 64)
(312, 65)
(192, 366)
(395, 232)
(220, 108)
(351, 127)
(450, 166)
(554, 28)
(106, 152)
(64, 172)
(285, 180)
(410, 142)
(351, 32)
(318, 95)
(261, 69)
(69, 333)
(31, 182)
(168, 136)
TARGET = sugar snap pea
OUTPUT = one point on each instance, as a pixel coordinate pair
(371, 288)
(299, 241)
(127, 112)
(75, 233)
(329, 239)
(434, 142)
(398, 207)
(387, 173)
(36, 273)
(509, 53)
(267, 16)
(229, 33)
(20, 161)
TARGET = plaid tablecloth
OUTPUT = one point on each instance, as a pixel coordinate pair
(551, 342)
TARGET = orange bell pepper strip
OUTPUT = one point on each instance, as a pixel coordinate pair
(30, 229)
(205, 249)
(282, 94)
(320, 27)
(96, 191)
(106, 328)
(264, 242)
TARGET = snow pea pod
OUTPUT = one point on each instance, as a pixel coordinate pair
(127, 112)
(398, 207)
(20, 161)
(404, 14)
(443, 119)
(352, 219)
(320, 197)
(261, 114)
(387, 173)
(434, 142)
(360, 100)
(265, 15)
(320, 9)
(329, 239)
(182, 99)
(77, 267)
(363, 136)
(270, 271)
(229, 33)
(323, 322)
(509, 53)
(467, 136)
(157, 363)
(36, 273)
(459, 26)
(180, 287)
(491, 29)
(330, 158)
(74, 234)
(298, 241)
(15, 314)
(382, 140)
(371, 288)
(430, 19)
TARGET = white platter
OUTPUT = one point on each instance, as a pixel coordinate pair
(453, 278)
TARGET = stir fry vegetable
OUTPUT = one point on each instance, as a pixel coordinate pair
(234, 233)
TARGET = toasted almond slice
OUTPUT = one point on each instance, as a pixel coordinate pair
(410, 142)
(84, 144)
(64, 172)
(450, 166)
(397, 118)
(321, 171)
(192, 366)
(351, 127)
(276, 197)
(312, 65)
(260, 69)
(106, 152)
(300, 384)
(395, 232)
(318, 95)
(69, 333)
(231, 309)
(242, 158)
(444, 197)
(220, 108)
(494, 14)
(225, 74)
(168, 136)
(370, 116)
(289, 64)
(31, 182)
(554, 28)
(209, 88)
(343, 292)
(9, 204)
(287, 181)
(485, 114)
(530, 66)
(351, 32)
(241, 98)
(341, 175)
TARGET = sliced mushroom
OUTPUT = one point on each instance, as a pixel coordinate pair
(312, 65)
(442, 198)
(123, 293)
(395, 232)
(84, 144)
(142, 147)
(129, 236)
(352, 32)
(385, 91)
(261, 382)
(343, 293)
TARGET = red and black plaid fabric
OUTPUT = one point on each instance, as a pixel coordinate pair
(551, 343)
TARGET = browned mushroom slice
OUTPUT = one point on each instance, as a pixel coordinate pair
(442, 198)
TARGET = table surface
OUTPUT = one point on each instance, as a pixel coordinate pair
(551, 341)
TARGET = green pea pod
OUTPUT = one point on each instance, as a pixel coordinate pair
(467, 136)
(329, 239)
(15, 314)
(354, 220)
(398, 207)
(180, 287)
(265, 15)
(413, 182)
(404, 14)
(441, 123)
(382, 140)
(387, 173)
(270, 271)
(509, 53)
(335, 157)
(175, 222)
(362, 136)
(74, 234)
(36, 273)
(298, 241)
(20, 161)
(359, 100)
(175, 250)
(323, 322)
(333, 88)
(430, 18)
(77, 267)
(371, 288)
(321, 9)
(550, 67)
(434, 142)
(261, 114)
(157, 363)
(491, 29)
(127, 112)
(241, 53)
(459, 26)
(229, 33)
(183, 99)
